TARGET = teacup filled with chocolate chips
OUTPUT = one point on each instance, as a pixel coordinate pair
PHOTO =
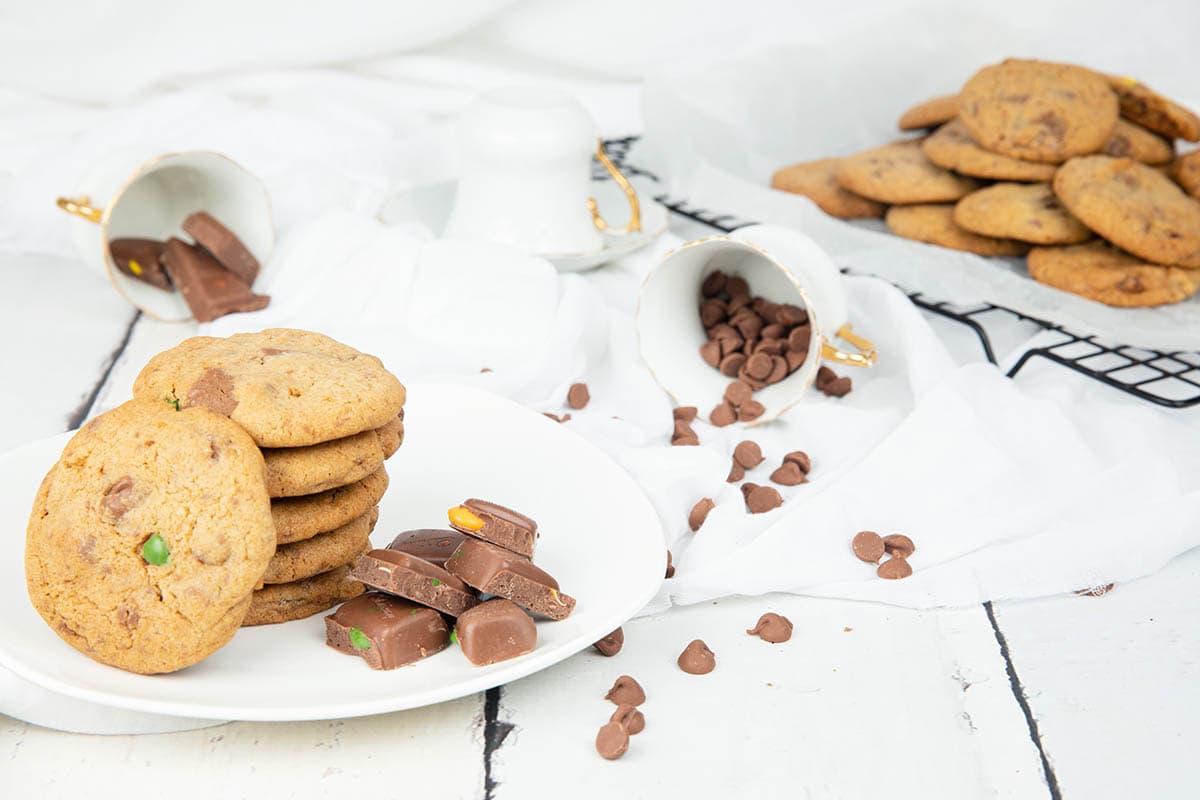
(744, 324)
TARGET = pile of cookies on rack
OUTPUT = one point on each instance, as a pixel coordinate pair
(1071, 167)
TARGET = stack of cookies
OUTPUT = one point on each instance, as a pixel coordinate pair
(326, 417)
(1074, 168)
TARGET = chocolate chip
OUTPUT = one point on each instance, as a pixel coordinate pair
(118, 498)
(771, 347)
(713, 284)
(214, 391)
(737, 287)
(794, 359)
(758, 366)
(748, 454)
(760, 499)
(723, 415)
(710, 351)
(612, 741)
(894, 569)
(684, 413)
(737, 393)
(670, 573)
(732, 364)
(723, 331)
(738, 302)
(799, 339)
(626, 691)
(611, 645)
(868, 546)
(684, 435)
(773, 331)
(578, 396)
(838, 387)
(824, 376)
(772, 628)
(897, 544)
(800, 459)
(712, 312)
(699, 513)
(731, 345)
(736, 473)
(788, 475)
(697, 659)
(779, 369)
(632, 720)
(745, 377)
(751, 410)
(791, 315)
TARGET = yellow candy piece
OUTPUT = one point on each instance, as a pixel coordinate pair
(135, 267)
(463, 517)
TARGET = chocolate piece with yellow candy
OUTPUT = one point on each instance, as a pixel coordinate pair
(496, 524)
(141, 259)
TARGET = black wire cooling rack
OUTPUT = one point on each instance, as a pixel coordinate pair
(1165, 378)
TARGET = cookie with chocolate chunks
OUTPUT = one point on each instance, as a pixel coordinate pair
(495, 631)
(496, 524)
(494, 570)
(385, 631)
(412, 578)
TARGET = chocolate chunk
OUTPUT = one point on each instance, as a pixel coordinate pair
(430, 544)
(761, 499)
(684, 413)
(710, 351)
(496, 524)
(788, 475)
(723, 415)
(578, 396)
(800, 459)
(140, 259)
(611, 645)
(868, 546)
(697, 659)
(773, 628)
(612, 741)
(119, 497)
(894, 569)
(412, 578)
(748, 454)
(626, 691)
(751, 410)
(799, 339)
(732, 364)
(495, 631)
(699, 513)
(214, 391)
(897, 544)
(632, 720)
(684, 435)
(209, 290)
(670, 573)
(386, 631)
(224, 245)
(493, 570)
(713, 285)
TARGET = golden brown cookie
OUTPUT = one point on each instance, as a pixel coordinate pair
(931, 113)
(148, 536)
(900, 173)
(1029, 212)
(299, 518)
(1185, 171)
(294, 471)
(1101, 272)
(952, 147)
(1134, 141)
(817, 180)
(1038, 110)
(1150, 109)
(283, 602)
(934, 223)
(391, 436)
(1134, 206)
(299, 560)
(287, 388)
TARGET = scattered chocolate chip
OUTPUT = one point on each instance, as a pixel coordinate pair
(632, 720)
(773, 628)
(611, 645)
(713, 285)
(699, 513)
(824, 376)
(800, 459)
(710, 351)
(723, 415)
(578, 396)
(788, 475)
(838, 387)
(697, 659)
(670, 567)
(737, 393)
(897, 544)
(760, 499)
(684, 435)
(751, 410)
(684, 413)
(868, 546)
(736, 473)
(612, 741)
(748, 454)
(626, 691)
(894, 569)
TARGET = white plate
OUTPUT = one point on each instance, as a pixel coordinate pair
(430, 205)
(601, 539)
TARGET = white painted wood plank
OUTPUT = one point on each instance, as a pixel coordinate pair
(1114, 683)
(149, 338)
(906, 704)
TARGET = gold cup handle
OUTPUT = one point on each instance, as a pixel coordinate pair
(81, 207)
(635, 209)
(865, 356)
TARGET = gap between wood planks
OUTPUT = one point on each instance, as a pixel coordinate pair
(76, 417)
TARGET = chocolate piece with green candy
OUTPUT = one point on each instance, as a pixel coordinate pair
(495, 631)
(405, 575)
(494, 570)
(387, 632)
(140, 259)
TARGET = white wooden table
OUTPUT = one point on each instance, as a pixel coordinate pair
(1074, 697)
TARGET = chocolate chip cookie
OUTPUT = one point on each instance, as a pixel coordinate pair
(298, 518)
(900, 173)
(1185, 171)
(1029, 212)
(282, 602)
(294, 471)
(148, 536)
(1134, 141)
(286, 388)
(1148, 108)
(1038, 110)
(1101, 272)
(303, 559)
(1134, 206)
(817, 180)
(931, 113)
(952, 147)
(934, 223)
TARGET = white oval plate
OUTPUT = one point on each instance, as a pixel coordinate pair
(600, 538)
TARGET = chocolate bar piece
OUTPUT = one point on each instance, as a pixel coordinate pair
(140, 259)
(386, 631)
(493, 570)
(410, 577)
(496, 524)
(209, 289)
(495, 631)
(224, 245)
(431, 544)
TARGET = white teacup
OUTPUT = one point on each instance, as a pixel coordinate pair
(129, 196)
(525, 175)
(780, 264)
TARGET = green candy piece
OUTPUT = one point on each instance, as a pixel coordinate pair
(359, 640)
(172, 401)
(435, 582)
(155, 550)
(454, 636)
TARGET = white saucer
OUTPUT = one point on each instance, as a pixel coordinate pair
(599, 536)
(430, 205)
